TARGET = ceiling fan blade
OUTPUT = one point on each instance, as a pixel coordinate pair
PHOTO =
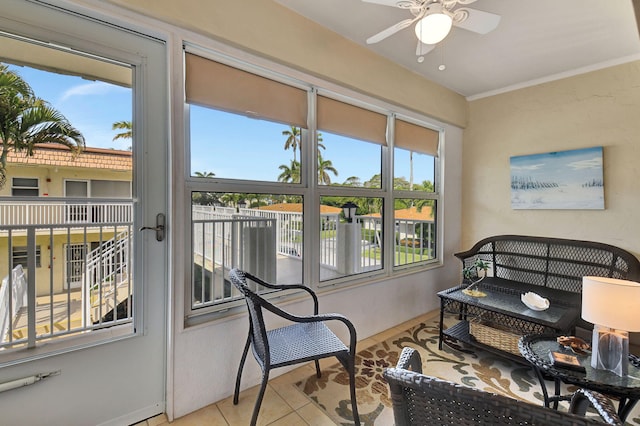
(423, 49)
(392, 3)
(390, 31)
(477, 21)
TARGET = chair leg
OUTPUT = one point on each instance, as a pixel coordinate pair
(349, 363)
(352, 390)
(318, 374)
(239, 376)
(263, 387)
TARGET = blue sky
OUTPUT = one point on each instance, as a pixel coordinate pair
(90, 106)
(229, 146)
(575, 166)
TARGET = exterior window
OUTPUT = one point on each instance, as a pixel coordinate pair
(19, 256)
(259, 233)
(25, 187)
(255, 170)
(415, 230)
(246, 138)
(416, 195)
(233, 146)
(350, 246)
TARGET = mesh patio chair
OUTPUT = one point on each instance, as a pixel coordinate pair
(307, 338)
(423, 400)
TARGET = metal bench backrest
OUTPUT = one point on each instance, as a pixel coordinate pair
(552, 262)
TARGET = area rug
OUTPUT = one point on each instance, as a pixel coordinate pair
(471, 367)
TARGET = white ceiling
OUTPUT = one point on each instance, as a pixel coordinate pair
(536, 40)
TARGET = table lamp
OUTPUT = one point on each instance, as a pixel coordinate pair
(613, 306)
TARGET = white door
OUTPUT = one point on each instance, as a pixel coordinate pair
(106, 374)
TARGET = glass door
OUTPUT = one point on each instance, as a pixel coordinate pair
(91, 312)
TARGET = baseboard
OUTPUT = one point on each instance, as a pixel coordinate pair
(136, 416)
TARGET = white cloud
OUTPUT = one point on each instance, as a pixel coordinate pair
(528, 168)
(593, 163)
(93, 88)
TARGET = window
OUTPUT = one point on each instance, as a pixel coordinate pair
(97, 188)
(94, 256)
(415, 154)
(24, 187)
(350, 246)
(257, 173)
(260, 233)
(19, 256)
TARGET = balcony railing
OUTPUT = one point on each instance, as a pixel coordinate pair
(77, 268)
(78, 264)
(60, 212)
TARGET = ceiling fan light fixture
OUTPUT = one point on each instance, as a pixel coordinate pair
(433, 28)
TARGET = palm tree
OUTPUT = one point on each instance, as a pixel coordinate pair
(204, 174)
(290, 174)
(123, 125)
(293, 140)
(352, 181)
(26, 120)
(325, 166)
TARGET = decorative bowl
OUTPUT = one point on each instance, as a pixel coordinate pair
(535, 301)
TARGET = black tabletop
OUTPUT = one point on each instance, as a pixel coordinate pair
(535, 348)
(504, 296)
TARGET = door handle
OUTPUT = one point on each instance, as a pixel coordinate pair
(159, 228)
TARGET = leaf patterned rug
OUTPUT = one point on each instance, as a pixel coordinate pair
(474, 368)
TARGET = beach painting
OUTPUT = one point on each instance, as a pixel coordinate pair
(558, 180)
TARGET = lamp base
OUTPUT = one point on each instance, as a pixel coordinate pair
(610, 350)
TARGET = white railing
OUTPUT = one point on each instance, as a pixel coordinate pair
(59, 255)
(13, 296)
(61, 212)
(221, 244)
(106, 277)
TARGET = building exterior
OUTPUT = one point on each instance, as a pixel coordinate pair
(78, 210)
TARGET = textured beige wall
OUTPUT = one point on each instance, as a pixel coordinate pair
(273, 31)
(601, 108)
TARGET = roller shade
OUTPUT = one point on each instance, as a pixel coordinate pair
(352, 121)
(212, 84)
(416, 138)
(59, 61)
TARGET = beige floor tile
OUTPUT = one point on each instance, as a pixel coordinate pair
(273, 407)
(284, 403)
(417, 320)
(292, 419)
(285, 385)
(381, 337)
(157, 420)
(366, 343)
(315, 416)
(207, 416)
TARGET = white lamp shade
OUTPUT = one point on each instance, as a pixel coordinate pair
(433, 28)
(611, 302)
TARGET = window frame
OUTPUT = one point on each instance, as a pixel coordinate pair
(15, 187)
(24, 249)
(308, 187)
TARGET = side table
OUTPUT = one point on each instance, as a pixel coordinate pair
(535, 348)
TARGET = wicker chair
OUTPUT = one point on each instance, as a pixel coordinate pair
(306, 339)
(422, 400)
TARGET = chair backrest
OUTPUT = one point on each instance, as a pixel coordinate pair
(257, 325)
(556, 263)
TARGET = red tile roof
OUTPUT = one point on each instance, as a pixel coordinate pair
(411, 213)
(57, 155)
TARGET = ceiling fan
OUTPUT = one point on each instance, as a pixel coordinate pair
(434, 21)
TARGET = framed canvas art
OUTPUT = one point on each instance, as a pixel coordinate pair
(558, 180)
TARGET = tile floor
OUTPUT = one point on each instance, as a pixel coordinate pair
(283, 404)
